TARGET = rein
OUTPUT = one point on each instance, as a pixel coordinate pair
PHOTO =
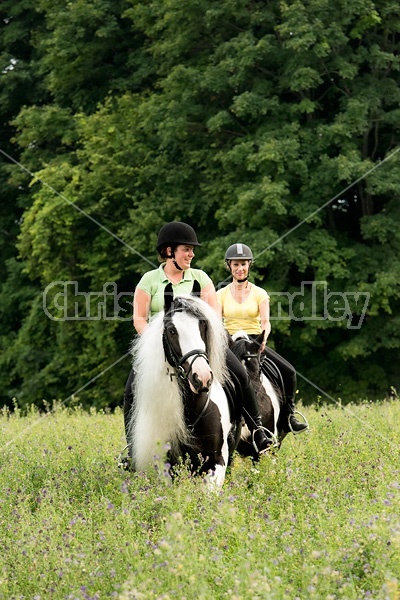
(176, 362)
(203, 412)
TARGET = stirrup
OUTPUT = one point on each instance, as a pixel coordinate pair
(307, 428)
(271, 436)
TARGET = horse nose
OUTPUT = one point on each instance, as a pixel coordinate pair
(200, 385)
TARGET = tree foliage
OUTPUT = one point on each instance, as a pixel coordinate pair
(272, 123)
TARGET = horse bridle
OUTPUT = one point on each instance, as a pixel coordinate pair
(249, 355)
(180, 373)
(177, 362)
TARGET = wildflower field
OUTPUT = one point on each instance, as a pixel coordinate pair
(318, 519)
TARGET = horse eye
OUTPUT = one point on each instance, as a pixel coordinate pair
(172, 330)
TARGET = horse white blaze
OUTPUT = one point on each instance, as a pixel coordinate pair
(189, 339)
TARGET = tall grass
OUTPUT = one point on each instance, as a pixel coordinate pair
(319, 519)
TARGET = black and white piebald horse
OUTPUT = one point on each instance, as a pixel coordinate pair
(269, 395)
(181, 400)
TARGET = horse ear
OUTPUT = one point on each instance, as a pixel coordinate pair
(196, 289)
(259, 340)
(168, 297)
(230, 339)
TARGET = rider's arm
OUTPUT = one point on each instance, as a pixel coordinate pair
(141, 307)
(265, 322)
(209, 295)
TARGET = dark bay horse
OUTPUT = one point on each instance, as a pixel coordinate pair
(181, 400)
(269, 395)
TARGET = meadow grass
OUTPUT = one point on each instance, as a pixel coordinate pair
(318, 519)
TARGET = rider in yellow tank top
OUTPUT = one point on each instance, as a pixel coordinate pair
(245, 307)
(244, 316)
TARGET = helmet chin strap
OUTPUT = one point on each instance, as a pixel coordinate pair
(174, 261)
(176, 265)
(239, 280)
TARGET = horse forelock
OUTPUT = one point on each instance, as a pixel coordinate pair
(184, 303)
(217, 339)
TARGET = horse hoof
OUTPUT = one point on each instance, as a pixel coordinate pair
(124, 462)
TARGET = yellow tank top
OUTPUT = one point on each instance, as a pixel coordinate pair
(244, 316)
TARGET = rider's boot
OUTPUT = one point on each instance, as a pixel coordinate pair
(261, 442)
(295, 425)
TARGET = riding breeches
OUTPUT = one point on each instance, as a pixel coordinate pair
(244, 390)
(288, 373)
(235, 366)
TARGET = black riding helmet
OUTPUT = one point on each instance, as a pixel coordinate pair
(174, 233)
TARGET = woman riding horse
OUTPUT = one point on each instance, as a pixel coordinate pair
(245, 307)
(175, 245)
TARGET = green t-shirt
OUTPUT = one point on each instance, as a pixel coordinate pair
(154, 282)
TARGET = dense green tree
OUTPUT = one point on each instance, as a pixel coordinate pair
(276, 124)
(59, 58)
(20, 85)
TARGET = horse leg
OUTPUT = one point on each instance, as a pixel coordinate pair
(128, 402)
(213, 430)
(250, 409)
